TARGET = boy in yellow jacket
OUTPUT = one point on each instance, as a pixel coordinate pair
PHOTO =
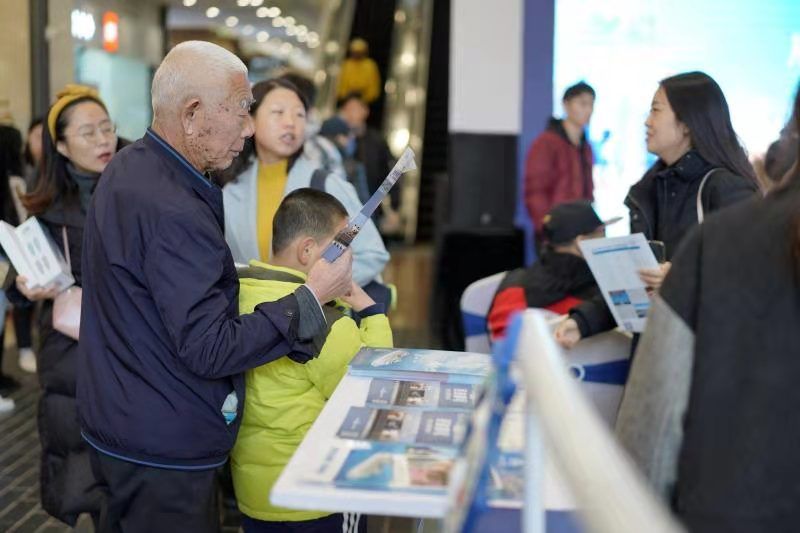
(283, 398)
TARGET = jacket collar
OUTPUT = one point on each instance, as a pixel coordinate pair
(279, 272)
(691, 166)
(202, 185)
(556, 125)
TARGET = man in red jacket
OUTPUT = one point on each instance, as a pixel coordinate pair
(559, 164)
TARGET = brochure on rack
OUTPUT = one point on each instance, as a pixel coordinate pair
(422, 394)
(407, 363)
(444, 428)
(386, 466)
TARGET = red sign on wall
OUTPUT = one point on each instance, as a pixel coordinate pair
(110, 31)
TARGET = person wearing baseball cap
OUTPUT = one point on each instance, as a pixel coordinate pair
(561, 279)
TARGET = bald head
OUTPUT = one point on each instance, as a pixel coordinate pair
(192, 69)
(201, 100)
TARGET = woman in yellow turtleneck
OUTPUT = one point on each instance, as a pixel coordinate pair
(281, 122)
(270, 167)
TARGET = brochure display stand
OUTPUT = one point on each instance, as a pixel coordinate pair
(387, 443)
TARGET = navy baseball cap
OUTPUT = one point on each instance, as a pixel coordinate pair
(567, 221)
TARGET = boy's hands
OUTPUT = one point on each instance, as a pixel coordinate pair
(357, 298)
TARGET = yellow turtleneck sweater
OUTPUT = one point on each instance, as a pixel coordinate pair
(271, 184)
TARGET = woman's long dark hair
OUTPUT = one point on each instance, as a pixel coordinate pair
(54, 181)
(10, 165)
(699, 103)
(245, 158)
(38, 121)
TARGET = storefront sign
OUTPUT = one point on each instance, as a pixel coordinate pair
(110, 31)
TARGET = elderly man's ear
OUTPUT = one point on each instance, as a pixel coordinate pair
(188, 114)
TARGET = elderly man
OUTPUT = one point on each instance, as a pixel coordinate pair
(160, 387)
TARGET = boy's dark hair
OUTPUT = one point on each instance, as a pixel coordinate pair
(305, 212)
(577, 90)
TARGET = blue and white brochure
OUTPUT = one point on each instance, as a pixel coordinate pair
(439, 365)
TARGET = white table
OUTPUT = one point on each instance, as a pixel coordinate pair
(292, 492)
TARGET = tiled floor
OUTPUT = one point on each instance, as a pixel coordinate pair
(410, 270)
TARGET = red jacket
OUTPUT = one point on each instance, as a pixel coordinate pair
(556, 171)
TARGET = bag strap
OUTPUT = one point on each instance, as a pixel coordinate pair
(318, 179)
(66, 247)
(700, 210)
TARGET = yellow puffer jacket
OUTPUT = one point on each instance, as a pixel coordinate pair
(283, 398)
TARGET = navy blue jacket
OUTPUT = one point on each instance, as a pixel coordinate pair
(161, 340)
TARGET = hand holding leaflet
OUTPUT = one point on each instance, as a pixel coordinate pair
(346, 236)
(615, 263)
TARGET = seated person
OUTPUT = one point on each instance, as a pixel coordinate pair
(560, 279)
(283, 398)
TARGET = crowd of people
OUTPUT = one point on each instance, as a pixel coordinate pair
(212, 329)
(707, 404)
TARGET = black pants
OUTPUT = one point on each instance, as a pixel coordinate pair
(335, 523)
(22, 325)
(144, 499)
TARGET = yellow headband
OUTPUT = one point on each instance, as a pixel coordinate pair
(66, 96)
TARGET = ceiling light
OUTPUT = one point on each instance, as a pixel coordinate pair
(278, 22)
(242, 3)
(231, 22)
(212, 12)
(262, 12)
(256, 3)
(289, 21)
(274, 12)
(313, 44)
(248, 29)
(291, 31)
(262, 36)
(189, 3)
(313, 36)
(301, 37)
(286, 48)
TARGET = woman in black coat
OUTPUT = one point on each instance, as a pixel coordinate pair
(708, 413)
(701, 168)
(79, 141)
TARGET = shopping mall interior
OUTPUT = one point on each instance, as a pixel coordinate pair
(584, 332)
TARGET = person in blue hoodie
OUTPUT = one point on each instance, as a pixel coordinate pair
(163, 347)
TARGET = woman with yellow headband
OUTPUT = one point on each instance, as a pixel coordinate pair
(78, 141)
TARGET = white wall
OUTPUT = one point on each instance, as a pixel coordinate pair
(486, 66)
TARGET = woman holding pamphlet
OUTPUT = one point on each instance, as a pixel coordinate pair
(701, 168)
(708, 411)
(79, 140)
(271, 166)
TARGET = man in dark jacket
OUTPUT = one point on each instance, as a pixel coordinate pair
(558, 167)
(561, 278)
(370, 147)
(160, 388)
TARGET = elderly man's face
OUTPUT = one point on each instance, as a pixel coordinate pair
(224, 125)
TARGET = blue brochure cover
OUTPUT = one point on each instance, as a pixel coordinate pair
(419, 363)
(385, 466)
